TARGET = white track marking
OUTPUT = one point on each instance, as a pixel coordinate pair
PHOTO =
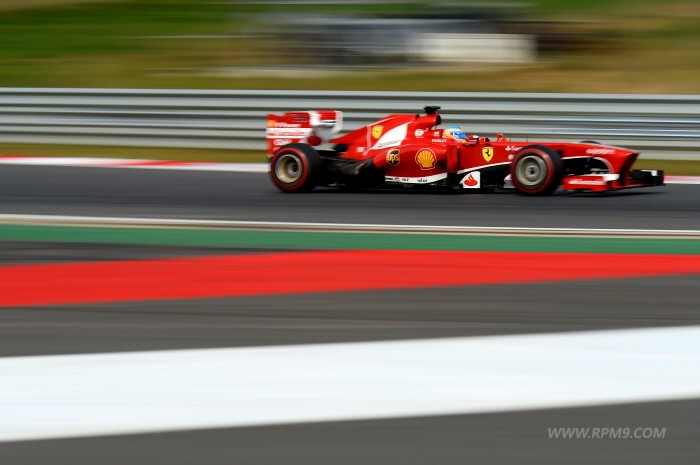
(62, 220)
(192, 166)
(682, 179)
(133, 163)
(64, 396)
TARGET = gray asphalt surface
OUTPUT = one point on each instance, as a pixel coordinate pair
(246, 196)
(344, 317)
(511, 437)
(503, 438)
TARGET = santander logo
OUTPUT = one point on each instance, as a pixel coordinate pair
(472, 180)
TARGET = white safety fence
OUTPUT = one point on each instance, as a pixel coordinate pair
(660, 126)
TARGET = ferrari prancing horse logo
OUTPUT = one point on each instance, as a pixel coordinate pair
(377, 131)
(487, 152)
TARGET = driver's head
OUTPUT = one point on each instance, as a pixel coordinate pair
(454, 132)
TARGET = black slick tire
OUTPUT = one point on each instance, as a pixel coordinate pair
(295, 168)
(536, 170)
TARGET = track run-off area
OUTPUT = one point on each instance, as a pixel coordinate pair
(199, 314)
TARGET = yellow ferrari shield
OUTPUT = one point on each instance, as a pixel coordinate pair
(487, 152)
(377, 131)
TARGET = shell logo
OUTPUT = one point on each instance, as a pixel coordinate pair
(426, 159)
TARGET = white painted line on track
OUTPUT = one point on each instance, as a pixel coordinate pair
(135, 163)
(682, 179)
(338, 227)
(191, 166)
(64, 396)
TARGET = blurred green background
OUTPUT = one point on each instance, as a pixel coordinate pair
(635, 47)
(614, 46)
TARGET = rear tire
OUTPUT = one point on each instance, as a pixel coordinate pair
(295, 168)
(536, 170)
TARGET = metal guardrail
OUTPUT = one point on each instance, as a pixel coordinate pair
(661, 126)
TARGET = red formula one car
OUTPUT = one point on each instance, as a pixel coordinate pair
(412, 150)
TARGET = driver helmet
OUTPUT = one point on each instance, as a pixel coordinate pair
(454, 132)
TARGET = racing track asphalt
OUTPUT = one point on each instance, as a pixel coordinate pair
(509, 437)
(250, 196)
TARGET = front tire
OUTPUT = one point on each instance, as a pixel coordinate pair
(295, 168)
(536, 170)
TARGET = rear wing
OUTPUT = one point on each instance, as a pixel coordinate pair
(308, 127)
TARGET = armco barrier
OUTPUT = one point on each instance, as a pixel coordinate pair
(661, 126)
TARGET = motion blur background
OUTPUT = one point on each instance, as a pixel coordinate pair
(531, 46)
(581, 46)
(64, 68)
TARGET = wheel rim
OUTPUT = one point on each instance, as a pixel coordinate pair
(288, 168)
(531, 171)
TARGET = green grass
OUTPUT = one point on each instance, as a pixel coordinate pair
(672, 167)
(149, 153)
(341, 240)
(641, 46)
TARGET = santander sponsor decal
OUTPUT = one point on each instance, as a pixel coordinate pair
(282, 124)
(283, 132)
(587, 182)
(472, 180)
(600, 151)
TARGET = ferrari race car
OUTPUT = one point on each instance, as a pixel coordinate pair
(305, 151)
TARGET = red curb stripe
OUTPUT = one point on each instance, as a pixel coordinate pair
(322, 271)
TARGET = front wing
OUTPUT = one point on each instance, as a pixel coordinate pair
(610, 182)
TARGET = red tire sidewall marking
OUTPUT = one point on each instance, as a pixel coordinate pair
(550, 170)
(304, 169)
